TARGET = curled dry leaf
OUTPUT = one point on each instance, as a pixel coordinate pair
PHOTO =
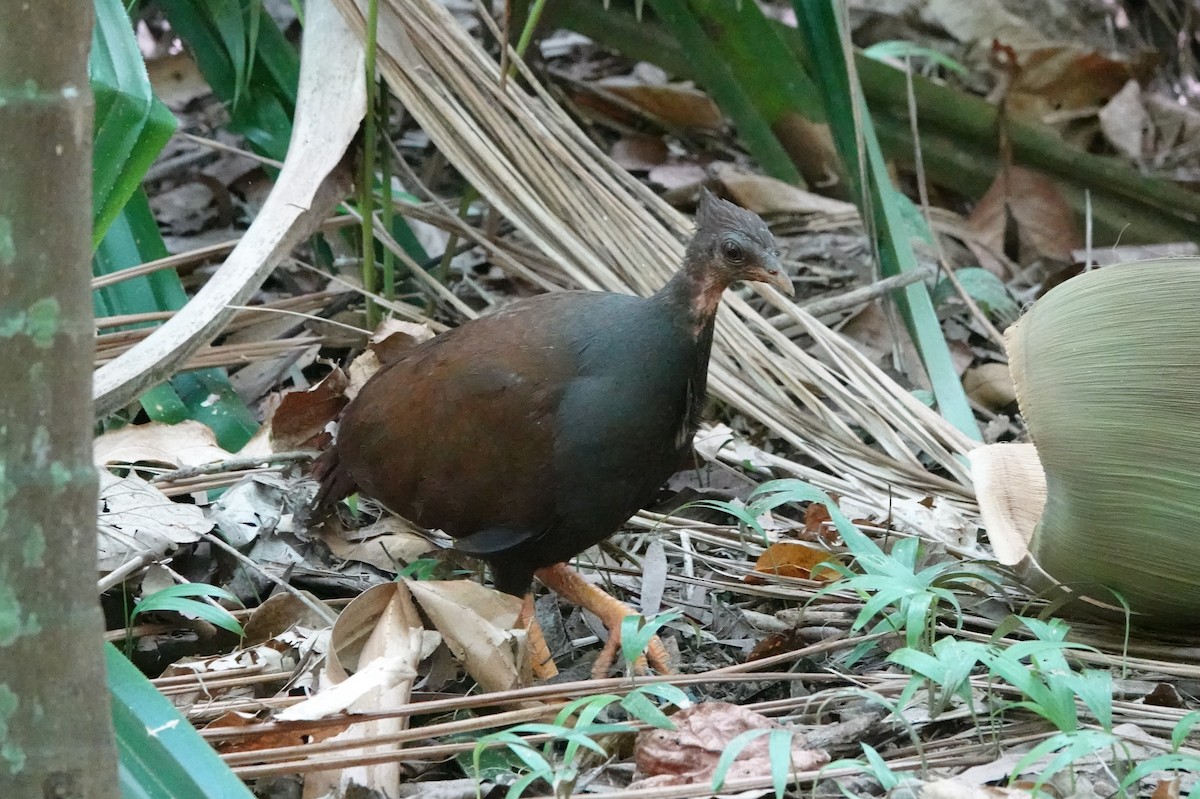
(299, 421)
(188, 443)
(476, 623)
(1125, 121)
(376, 644)
(689, 753)
(766, 195)
(280, 613)
(386, 545)
(1053, 81)
(1027, 207)
(136, 518)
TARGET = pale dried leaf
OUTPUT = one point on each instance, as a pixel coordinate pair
(654, 577)
(767, 195)
(378, 635)
(1124, 120)
(188, 443)
(135, 518)
(476, 623)
(981, 21)
(385, 552)
(991, 385)
(957, 789)
(380, 675)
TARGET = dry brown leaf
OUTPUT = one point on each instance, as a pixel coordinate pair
(278, 614)
(188, 443)
(639, 153)
(689, 753)
(792, 559)
(299, 421)
(476, 623)
(1068, 78)
(1044, 223)
(1168, 789)
(267, 740)
(383, 550)
(176, 79)
(136, 518)
(767, 195)
(394, 337)
(674, 103)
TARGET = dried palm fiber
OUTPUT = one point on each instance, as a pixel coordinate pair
(1107, 372)
(605, 230)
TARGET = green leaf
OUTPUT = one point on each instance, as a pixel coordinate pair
(179, 598)
(131, 125)
(161, 755)
(988, 291)
(732, 750)
(901, 49)
(248, 63)
(714, 73)
(204, 395)
(636, 633)
(640, 707)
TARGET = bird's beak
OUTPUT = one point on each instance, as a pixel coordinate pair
(772, 273)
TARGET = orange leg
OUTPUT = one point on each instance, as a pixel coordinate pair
(541, 662)
(567, 583)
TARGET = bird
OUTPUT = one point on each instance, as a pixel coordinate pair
(533, 433)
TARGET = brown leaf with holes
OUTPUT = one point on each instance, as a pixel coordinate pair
(1025, 216)
(688, 754)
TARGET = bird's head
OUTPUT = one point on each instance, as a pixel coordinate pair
(733, 244)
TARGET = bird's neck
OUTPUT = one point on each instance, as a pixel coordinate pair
(696, 292)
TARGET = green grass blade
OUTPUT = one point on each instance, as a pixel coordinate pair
(131, 125)
(895, 224)
(204, 395)
(161, 755)
(249, 65)
(715, 75)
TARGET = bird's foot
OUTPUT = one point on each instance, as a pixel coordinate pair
(567, 583)
(656, 656)
(541, 662)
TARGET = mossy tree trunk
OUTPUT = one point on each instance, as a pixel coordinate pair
(55, 728)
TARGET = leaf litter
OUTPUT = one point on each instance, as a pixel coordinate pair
(677, 559)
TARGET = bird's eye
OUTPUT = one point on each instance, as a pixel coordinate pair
(732, 251)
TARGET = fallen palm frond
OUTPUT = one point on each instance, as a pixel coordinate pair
(603, 229)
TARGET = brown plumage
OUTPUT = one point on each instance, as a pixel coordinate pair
(533, 433)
